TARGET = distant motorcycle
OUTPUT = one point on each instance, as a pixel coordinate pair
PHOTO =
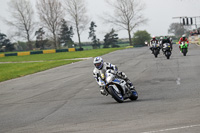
(155, 49)
(117, 88)
(167, 50)
(184, 48)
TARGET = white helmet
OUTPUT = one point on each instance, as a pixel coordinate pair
(161, 38)
(98, 62)
(183, 35)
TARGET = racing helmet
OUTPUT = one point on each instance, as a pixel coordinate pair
(183, 36)
(154, 37)
(98, 62)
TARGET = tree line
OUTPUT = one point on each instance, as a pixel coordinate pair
(60, 20)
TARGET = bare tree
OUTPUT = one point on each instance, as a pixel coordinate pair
(178, 29)
(127, 15)
(22, 15)
(51, 14)
(76, 9)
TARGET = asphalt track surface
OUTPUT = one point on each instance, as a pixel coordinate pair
(66, 99)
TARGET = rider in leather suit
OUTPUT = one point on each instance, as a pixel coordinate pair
(153, 41)
(101, 67)
(183, 39)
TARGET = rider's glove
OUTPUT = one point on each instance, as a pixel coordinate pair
(113, 72)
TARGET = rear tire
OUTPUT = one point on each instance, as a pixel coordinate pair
(116, 95)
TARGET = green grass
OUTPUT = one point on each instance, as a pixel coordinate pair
(121, 45)
(14, 70)
(124, 44)
(59, 56)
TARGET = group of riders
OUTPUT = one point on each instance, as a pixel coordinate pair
(167, 40)
(101, 67)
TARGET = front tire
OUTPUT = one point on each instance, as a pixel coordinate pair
(184, 52)
(168, 57)
(117, 96)
(168, 54)
(156, 53)
(134, 95)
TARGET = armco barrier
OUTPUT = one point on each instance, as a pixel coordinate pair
(23, 53)
(49, 51)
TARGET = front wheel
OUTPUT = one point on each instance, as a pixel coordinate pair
(184, 52)
(156, 53)
(168, 54)
(134, 95)
(168, 57)
(117, 96)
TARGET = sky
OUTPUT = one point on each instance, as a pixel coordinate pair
(159, 13)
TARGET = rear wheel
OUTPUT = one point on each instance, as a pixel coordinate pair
(117, 96)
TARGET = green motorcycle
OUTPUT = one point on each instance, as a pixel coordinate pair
(184, 48)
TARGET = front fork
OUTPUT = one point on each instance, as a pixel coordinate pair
(182, 49)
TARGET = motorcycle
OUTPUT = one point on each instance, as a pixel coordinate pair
(117, 88)
(184, 48)
(167, 50)
(155, 49)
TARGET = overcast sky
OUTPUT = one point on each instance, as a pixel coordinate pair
(159, 13)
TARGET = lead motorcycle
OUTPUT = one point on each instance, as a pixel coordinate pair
(184, 48)
(167, 50)
(155, 49)
(117, 88)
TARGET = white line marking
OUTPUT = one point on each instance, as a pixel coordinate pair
(178, 81)
(172, 129)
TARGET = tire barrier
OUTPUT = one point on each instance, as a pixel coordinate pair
(39, 52)
(72, 49)
(36, 52)
(11, 54)
(23, 53)
(2, 55)
(49, 51)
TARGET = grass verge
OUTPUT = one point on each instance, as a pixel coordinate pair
(14, 70)
(59, 56)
